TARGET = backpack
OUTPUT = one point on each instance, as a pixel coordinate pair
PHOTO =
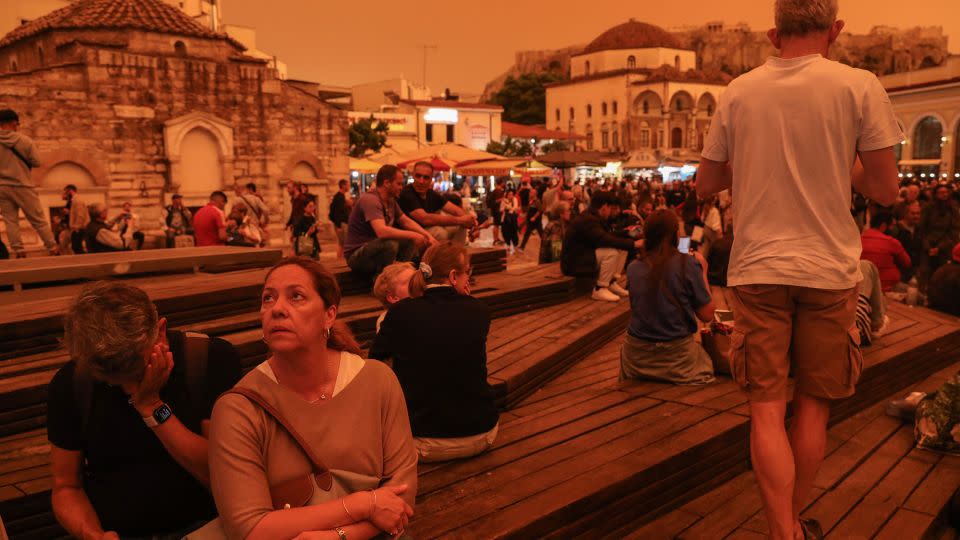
(195, 354)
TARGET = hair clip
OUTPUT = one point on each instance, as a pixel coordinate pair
(425, 270)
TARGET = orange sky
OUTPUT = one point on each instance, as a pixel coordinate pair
(344, 42)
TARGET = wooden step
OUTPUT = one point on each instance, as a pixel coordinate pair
(588, 456)
(873, 484)
(36, 325)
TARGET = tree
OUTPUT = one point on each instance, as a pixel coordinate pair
(511, 147)
(524, 99)
(555, 146)
(367, 134)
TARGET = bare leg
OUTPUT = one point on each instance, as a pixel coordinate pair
(808, 438)
(774, 467)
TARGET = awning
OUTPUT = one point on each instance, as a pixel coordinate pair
(449, 152)
(439, 165)
(364, 166)
(919, 162)
(504, 167)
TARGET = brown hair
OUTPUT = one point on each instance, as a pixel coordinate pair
(442, 258)
(326, 285)
(661, 233)
(108, 327)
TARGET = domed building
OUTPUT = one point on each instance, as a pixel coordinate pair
(636, 89)
(133, 100)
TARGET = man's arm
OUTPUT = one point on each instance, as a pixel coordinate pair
(875, 176)
(713, 177)
(415, 227)
(71, 506)
(382, 230)
(427, 219)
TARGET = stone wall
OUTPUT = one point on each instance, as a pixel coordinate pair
(110, 109)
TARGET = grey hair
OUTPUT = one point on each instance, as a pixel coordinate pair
(108, 327)
(802, 17)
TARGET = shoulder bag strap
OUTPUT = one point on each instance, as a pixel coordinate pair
(196, 349)
(320, 470)
(19, 155)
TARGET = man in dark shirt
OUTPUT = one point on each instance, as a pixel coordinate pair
(441, 218)
(379, 233)
(943, 291)
(127, 416)
(340, 213)
(908, 234)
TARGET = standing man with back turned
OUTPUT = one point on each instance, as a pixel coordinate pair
(784, 139)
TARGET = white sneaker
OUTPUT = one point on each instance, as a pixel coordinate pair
(604, 294)
(615, 288)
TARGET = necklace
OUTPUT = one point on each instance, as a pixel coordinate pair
(322, 397)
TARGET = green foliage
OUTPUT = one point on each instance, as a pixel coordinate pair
(555, 146)
(511, 148)
(367, 134)
(524, 99)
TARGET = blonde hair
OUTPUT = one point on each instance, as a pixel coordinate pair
(108, 327)
(802, 17)
(442, 258)
(387, 281)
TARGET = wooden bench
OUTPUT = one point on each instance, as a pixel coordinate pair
(37, 325)
(873, 484)
(67, 268)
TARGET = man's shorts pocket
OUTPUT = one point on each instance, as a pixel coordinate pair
(855, 357)
(738, 359)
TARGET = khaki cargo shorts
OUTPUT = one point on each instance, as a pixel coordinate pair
(811, 330)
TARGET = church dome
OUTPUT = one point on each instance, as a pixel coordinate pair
(633, 35)
(147, 15)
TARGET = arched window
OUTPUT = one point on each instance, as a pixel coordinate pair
(927, 137)
(614, 104)
(604, 136)
(603, 108)
(710, 110)
(589, 111)
(571, 114)
(679, 104)
(586, 67)
(179, 48)
(40, 55)
(676, 62)
(589, 134)
(558, 115)
(13, 65)
(646, 107)
(615, 138)
(631, 62)
(676, 138)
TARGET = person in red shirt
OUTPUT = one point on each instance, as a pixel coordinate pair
(884, 250)
(209, 227)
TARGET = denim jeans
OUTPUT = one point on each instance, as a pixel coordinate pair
(372, 257)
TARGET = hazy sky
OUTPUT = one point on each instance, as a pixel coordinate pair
(344, 42)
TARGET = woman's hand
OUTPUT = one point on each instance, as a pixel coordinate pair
(388, 511)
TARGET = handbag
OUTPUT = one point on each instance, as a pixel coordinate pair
(298, 491)
(306, 245)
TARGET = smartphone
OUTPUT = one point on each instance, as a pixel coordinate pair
(723, 316)
(683, 246)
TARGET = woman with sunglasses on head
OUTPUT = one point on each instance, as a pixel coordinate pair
(316, 439)
(438, 345)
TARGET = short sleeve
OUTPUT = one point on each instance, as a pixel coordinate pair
(716, 146)
(372, 209)
(700, 294)
(63, 415)
(223, 371)
(878, 125)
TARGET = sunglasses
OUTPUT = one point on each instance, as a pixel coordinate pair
(423, 176)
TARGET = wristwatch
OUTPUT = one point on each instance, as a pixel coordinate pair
(159, 415)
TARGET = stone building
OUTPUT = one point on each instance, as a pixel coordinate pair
(635, 88)
(132, 100)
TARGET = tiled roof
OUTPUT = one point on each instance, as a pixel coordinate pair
(147, 15)
(633, 35)
(520, 131)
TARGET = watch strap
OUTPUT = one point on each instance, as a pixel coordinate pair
(152, 422)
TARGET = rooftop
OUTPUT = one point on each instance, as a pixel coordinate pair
(633, 35)
(450, 104)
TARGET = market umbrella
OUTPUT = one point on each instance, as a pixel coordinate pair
(439, 165)
(567, 158)
(364, 166)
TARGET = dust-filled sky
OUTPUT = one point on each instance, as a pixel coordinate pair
(345, 42)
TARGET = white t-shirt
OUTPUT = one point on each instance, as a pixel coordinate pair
(791, 129)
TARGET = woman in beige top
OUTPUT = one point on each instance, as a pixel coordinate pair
(351, 413)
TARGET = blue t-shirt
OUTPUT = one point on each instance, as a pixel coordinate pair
(654, 317)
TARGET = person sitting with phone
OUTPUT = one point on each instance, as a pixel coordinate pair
(668, 294)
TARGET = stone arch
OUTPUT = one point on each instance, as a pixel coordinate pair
(201, 163)
(681, 101)
(926, 137)
(707, 104)
(676, 137)
(299, 160)
(654, 104)
(79, 158)
(220, 132)
(631, 62)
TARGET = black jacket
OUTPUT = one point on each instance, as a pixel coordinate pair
(438, 344)
(339, 212)
(585, 234)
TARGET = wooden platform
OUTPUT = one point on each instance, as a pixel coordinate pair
(36, 325)
(587, 456)
(873, 484)
(52, 270)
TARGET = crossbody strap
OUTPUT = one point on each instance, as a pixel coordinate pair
(320, 470)
(19, 155)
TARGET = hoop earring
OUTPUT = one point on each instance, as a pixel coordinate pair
(327, 333)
